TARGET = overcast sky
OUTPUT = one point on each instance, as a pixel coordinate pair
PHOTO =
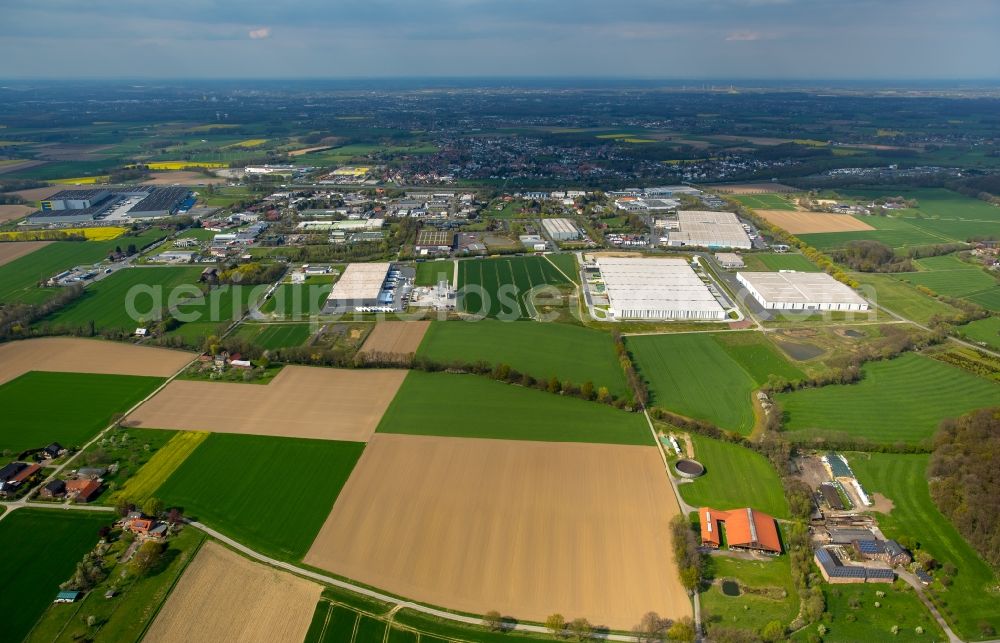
(731, 39)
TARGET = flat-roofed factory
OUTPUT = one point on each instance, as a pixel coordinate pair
(655, 288)
(790, 290)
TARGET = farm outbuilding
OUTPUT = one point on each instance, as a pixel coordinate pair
(646, 288)
(790, 290)
(745, 529)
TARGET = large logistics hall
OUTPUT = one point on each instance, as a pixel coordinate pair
(651, 288)
(790, 290)
(709, 229)
(361, 285)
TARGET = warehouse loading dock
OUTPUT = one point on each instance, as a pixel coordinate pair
(789, 290)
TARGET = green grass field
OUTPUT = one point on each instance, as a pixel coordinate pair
(272, 494)
(69, 408)
(126, 617)
(759, 486)
(770, 261)
(895, 232)
(708, 377)
(973, 598)
(41, 550)
(429, 272)
(505, 283)
(851, 615)
(566, 262)
(943, 212)
(297, 301)
(271, 336)
(105, 303)
(764, 201)
(477, 407)
(542, 350)
(899, 400)
(160, 466)
(902, 298)
(750, 611)
(948, 275)
(19, 278)
(985, 330)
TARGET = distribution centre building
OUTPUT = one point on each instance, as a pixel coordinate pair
(561, 229)
(361, 285)
(653, 288)
(709, 229)
(790, 290)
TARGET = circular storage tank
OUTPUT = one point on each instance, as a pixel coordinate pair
(689, 468)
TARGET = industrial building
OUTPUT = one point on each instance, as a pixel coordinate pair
(111, 204)
(431, 241)
(648, 288)
(745, 529)
(561, 229)
(790, 290)
(729, 260)
(708, 229)
(363, 285)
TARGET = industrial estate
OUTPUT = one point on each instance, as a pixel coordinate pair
(331, 373)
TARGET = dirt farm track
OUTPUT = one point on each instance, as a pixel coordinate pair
(301, 402)
(74, 355)
(800, 222)
(225, 597)
(527, 528)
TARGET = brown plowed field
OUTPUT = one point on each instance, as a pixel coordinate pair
(751, 188)
(797, 222)
(395, 337)
(527, 528)
(74, 355)
(11, 250)
(182, 177)
(301, 402)
(222, 596)
(11, 212)
(39, 194)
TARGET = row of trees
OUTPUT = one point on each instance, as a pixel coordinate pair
(16, 318)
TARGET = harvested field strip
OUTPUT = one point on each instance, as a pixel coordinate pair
(163, 463)
(41, 549)
(11, 251)
(799, 222)
(225, 597)
(473, 406)
(608, 557)
(301, 401)
(399, 338)
(759, 486)
(542, 350)
(73, 355)
(70, 408)
(899, 400)
(225, 484)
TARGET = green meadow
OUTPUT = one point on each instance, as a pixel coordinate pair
(972, 598)
(898, 400)
(272, 494)
(759, 486)
(272, 336)
(430, 272)
(452, 405)
(542, 350)
(69, 408)
(709, 376)
(41, 550)
(504, 285)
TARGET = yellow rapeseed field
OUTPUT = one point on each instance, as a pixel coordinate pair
(180, 165)
(93, 234)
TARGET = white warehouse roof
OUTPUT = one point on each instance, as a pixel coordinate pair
(360, 281)
(790, 290)
(709, 229)
(653, 288)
